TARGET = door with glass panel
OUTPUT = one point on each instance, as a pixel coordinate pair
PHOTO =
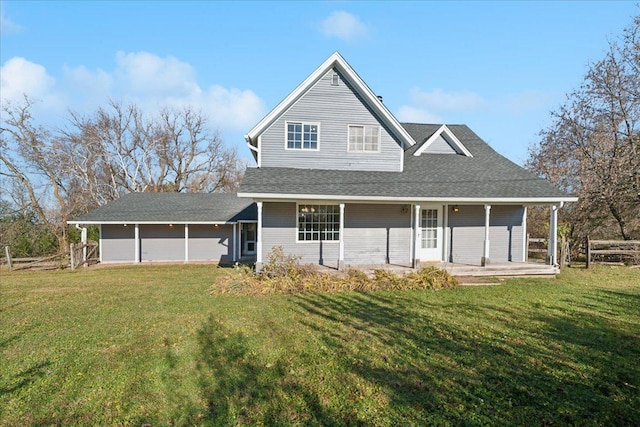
(430, 233)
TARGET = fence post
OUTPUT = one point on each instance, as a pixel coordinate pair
(7, 252)
(588, 252)
(72, 256)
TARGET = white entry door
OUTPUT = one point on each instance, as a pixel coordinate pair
(248, 238)
(430, 233)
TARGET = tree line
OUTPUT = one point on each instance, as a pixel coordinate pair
(49, 176)
(592, 147)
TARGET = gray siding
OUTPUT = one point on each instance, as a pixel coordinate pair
(506, 233)
(440, 146)
(161, 242)
(374, 232)
(334, 108)
(211, 243)
(279, 228)
(118, 243)
(466, 234)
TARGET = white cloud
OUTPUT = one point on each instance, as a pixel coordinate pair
(146, 73)
(343, 25)
(20, 77)
(147, 79)
(7, 26)
(439, 100)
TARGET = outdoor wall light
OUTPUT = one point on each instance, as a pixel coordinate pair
(456, 209)
(405, 208)
(170, 225)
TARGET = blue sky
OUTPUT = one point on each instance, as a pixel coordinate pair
(499, 67)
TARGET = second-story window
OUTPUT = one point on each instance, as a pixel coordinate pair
(364, 139)
(302, 136)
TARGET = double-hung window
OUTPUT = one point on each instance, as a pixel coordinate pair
(302, 136)
(364, 139)
(318, 222)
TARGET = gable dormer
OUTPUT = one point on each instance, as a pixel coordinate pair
(332, 120)
(443, 141)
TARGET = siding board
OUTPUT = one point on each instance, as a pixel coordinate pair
(466, 234)
(334, 108)
(211, 243)
(161, 242)
(374, 232)
(118, 243)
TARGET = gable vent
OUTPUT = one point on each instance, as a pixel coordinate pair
(335, 79)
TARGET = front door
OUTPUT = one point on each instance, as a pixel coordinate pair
(430, 233)
(248, 238)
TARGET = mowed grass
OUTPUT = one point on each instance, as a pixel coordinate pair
(150, 345)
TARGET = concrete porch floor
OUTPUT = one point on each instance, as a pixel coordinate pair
(503, 269)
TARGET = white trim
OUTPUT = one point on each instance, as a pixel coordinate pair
(136, 249)
(487, 244)
(444, 130)
(340, 64)
(259, 151)
(303, 123)
(364, 127)
(525, 249)
(445, 233)
(375, 199)
(100, 241)
(552, 251)
(186, 243)
(341, 248)
(259, 233)
(416, 235)
(156, 222)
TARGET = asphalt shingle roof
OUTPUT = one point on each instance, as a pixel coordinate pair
(174, 207)
(485, 175)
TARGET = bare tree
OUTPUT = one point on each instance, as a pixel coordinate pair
(119, 150)
(57, 174)
(30, 157)
(593, 146)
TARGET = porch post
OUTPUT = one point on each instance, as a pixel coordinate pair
(416, 242)
(100, 242)
(552, 249)
(136, 235)
(525, 243)
(259, 238)
(487, 218)
(234, 236)
(186, 243)
(83, 240)
(341, 250)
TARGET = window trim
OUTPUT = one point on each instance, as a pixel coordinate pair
(303, 123)
(297, 227)
(364, 129)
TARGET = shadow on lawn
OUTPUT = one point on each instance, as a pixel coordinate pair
(469, 363)
(427, 362)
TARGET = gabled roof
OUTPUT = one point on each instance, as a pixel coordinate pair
(338, 62)
(486, 177)
(172, 208)
(449, 137)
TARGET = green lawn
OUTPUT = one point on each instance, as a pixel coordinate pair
(150, 345)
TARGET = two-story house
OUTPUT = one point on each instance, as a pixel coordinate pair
(339, 181)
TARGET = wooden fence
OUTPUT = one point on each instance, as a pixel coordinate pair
(538, 245)
(617, 252)
(80, 254)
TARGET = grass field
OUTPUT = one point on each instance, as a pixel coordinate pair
(150, 345)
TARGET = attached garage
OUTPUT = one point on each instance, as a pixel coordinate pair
(174, 227)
